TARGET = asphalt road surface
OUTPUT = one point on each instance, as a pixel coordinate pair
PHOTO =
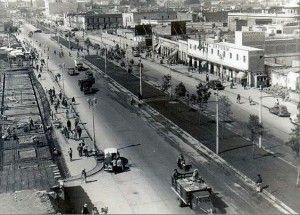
(117, 125)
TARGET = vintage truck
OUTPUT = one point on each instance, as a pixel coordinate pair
(87, 82)
(195, 194)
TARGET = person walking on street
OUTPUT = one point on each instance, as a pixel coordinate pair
(30, 123)
(258, 183)
(120, 165)
(238, 99)
(85, 210)
(114, 166)
(79, 131)
(76, 122)
(83, 176)
(67, 113)
(79, 149)
(277, 102)
(60, 94)
(70, 154)
(69, 125)
(85, 151)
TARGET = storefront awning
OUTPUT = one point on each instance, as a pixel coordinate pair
(173, 53)
(241, 75)
(157, 48)
(203, 63)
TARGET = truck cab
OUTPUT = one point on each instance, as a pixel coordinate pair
(79, 65)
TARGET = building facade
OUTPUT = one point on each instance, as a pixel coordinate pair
(93, 21)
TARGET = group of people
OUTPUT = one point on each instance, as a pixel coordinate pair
(83, 149)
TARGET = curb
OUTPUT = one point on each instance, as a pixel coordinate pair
(208, 153)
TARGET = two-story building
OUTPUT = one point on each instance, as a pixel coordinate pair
(91, 21)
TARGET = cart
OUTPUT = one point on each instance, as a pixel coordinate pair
(194, 194)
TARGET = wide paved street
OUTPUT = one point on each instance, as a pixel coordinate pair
(151, 153)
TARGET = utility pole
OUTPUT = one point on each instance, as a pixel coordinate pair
(217, 122)
(105, 59)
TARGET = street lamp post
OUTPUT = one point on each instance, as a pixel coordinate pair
(170, 77)
(92, 103)
(105, 60)
(260, 117)
(217, 122)
(141, 90)
(62, 67)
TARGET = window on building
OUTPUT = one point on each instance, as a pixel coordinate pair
(190, 46)
(212, 51)
(195, 47)
(218, 52)
(244, 58)
(223, 53)
(237, 56)
(230, 55)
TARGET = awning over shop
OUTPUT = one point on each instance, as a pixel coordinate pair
(203, 63)
(157, 48)
(241, 75)
(173, 53)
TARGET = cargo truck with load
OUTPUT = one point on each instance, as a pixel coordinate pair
(87, 82)
(192, 191)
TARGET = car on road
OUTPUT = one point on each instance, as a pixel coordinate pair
(75, 29)
(280, 110)
(72, 71)
(295, 119)
(216, 85)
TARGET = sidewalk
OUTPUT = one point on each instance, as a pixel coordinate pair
(78, 163)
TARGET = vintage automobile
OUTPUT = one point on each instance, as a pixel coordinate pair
(72, 71)
(280, 110)
(294, 119)
(215, 85)
(109, 155)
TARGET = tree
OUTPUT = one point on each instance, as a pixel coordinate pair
(225, 109)
(294, 140)
(202, 93)
(165, 82)
(255, 127)
(180, 90)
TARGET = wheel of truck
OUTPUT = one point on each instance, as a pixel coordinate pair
(180, 202)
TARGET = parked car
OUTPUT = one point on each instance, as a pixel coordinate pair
(294, 119)
(280, 110)
(215, 85)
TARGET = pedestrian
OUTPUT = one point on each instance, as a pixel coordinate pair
(85, 151)
(277, 102)
(245, 85)
(53, 91)
(207, 77)
(132, 101)
(238, 99)
(60, 94)
(39, 76)
(56, 107)
(67, 113)
(30, 123)
(70, 154)
(175, 174)
(51, 114)
(179, 160)
(69, 125)
(258, 183)
(250, 100)
(83, 176)
(114, 166)
(79, 149)
(85, 209)
(76, 122)
(73, 100)
(41, 69)
(79, 131)
(120, 165)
